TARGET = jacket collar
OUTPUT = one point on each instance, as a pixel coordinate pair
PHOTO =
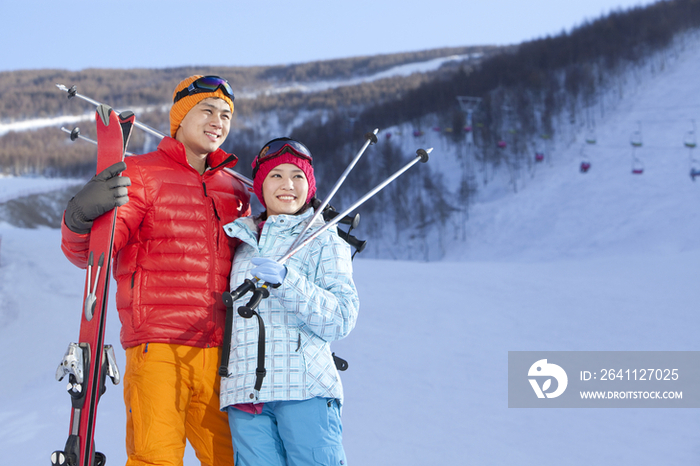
(246, 228)
(216, 160)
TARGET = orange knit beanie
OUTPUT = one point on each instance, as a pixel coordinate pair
(180, 108)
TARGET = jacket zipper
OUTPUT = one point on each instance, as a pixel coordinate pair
(212, 245)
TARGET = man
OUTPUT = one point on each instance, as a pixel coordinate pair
(171, 262)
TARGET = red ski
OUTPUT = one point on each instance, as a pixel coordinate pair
(90, 361)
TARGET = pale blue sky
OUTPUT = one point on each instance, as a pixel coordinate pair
(158, 33)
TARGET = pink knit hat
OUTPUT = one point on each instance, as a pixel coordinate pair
(277, 152)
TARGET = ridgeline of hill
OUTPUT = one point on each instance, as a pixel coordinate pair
(31, 93)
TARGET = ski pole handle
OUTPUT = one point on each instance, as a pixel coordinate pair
(359, 245)
(259, 294)
(245, 287)
(352, 220)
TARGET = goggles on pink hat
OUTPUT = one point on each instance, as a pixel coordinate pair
(280, 146)
(279, 151)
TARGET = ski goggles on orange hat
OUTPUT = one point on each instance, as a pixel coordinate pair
(206, 84)
(280, 146)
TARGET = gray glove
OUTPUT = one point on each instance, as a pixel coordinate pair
(102, 193)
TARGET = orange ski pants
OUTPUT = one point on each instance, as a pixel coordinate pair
(172, 395)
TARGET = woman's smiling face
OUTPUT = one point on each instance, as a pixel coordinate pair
(285, 189)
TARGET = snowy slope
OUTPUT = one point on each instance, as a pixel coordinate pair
(13, 187)
(602, 261)
(564, 213)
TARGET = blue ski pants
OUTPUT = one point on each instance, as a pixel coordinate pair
(289, 433)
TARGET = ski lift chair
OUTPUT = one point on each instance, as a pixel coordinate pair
(590, 137)
(637, 167)
(636, 141)
(694, 168)
(636, 137)
(689, 140)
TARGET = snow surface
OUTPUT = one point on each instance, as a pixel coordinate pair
(600, 261)
(13, 187)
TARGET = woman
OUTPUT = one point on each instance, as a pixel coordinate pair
(294, 419)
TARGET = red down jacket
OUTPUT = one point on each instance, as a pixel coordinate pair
(172, 258)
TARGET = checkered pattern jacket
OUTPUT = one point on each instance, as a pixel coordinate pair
(317, 303)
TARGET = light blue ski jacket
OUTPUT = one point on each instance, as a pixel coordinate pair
(317, 303)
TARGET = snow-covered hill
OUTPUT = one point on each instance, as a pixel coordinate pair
(605, 260)
(273, 88)
(609, 210)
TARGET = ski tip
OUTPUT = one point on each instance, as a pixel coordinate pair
(103, 111)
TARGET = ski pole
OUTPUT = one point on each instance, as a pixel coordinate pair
(75, 134)
(259, 293)
(73, 92)
(370, 138)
